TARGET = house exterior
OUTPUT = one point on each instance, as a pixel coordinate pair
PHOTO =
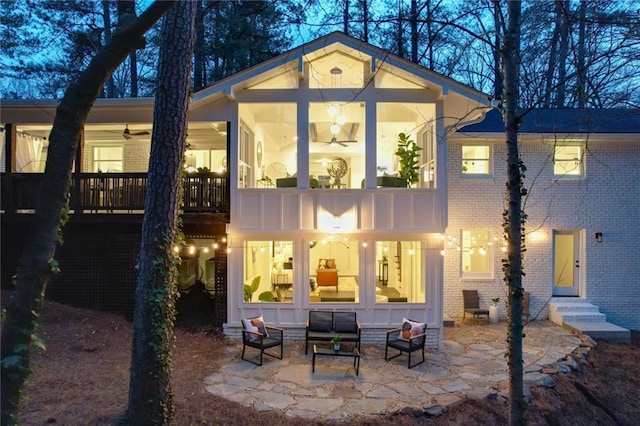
(293, 200)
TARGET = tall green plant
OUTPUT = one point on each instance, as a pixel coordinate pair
(408, 154)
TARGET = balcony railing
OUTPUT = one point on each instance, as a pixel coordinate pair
(104, 193)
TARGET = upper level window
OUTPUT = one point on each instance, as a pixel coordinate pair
(336, 71)
(267, 145)
(336, 144)
(475, 159)
(415, 120)
(476, 258)
(567, 161)
(107, 159)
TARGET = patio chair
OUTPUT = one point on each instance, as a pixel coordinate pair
(472, 305)
(406, 339)
(261, 337)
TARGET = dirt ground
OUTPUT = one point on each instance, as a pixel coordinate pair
(82, 379)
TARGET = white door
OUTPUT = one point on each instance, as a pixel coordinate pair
(566, 262)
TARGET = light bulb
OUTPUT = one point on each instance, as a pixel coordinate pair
(332, 110)
(335, 129)
(341, 120)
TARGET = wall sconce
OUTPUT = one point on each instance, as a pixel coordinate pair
(598, 237)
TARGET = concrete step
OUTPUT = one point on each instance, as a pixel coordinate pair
(601, 330)
(574, 310)
(573, 307)
(583, 317)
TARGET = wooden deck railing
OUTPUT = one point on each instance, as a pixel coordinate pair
(104, 193)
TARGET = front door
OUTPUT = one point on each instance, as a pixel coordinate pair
(566, 262)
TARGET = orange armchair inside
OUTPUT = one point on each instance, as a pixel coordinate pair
(327, 273)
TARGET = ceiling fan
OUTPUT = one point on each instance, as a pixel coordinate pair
(334, 139)
(128, 134)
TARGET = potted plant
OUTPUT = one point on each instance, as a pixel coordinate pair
(336, 342)
(494, 310)
(408, 154)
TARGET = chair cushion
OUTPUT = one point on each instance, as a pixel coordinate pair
(321, 326)
(346, 327)
(255, 325)
(410, 328)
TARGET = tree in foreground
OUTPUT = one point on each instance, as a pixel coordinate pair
(514, 217)
(37, 265)
(150, 396)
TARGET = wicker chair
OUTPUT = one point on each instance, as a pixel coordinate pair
(472, 305)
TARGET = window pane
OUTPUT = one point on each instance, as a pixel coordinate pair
(334, 270)
(475, 252)
(268, 145)
(198, 264)
(400, 272)
(415, 120)
(475, 159)
(567, 161)
(107, 159)
(336, 147)
(268, 271)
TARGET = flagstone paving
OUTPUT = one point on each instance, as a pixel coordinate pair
(471, 365)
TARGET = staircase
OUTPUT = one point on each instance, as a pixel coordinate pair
(579, 315)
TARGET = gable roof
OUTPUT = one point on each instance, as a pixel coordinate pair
(615, 120)
(474, 101)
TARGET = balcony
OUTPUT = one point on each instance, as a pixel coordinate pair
(115, 193)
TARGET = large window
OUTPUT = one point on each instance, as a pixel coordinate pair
(268, 145)
(336, 144)
(334, 271)
(107, 159)
(268, 271)
(567, 161)
(476, 253)
(475, 159)
(416, 121)
(400, 272)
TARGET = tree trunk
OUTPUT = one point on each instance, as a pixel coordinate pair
(150, 396)
(580, 65)
(514, 218)
(106, 14)
(562, 54)
(498, 86)
(414, 31)
(133, 65)
(365, 21)
(38, 264)
(199, 78)
(345, 17)
(553, 53)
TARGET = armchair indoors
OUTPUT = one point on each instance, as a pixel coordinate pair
(327, 273)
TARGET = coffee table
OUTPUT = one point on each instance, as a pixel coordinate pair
(319, 350)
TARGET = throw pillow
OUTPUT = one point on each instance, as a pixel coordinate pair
(331, 263)
(322, 264)
(255, 325)
(410, 328)
(346, 327)
(320, 326)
